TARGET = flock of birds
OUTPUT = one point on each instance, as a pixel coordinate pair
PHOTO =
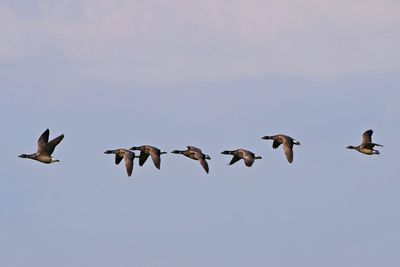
(45, 149)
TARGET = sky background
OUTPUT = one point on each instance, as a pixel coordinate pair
(214, 74)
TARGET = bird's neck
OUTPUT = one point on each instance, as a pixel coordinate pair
(31, 156)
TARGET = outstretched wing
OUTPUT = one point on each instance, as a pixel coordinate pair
(234, 160)
(204, 163)
(367, 137)
(142, 158)
(248, 161)
(50, 146)
(288, 152)
(155, 156)
(129, 162)
(275, 144)
(118, 159)
(193, 148)
(42, 141)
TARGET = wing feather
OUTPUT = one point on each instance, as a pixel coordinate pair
(42, 141)
(289, 152)
(234, 160)
(204, 163)
(275, 144)
(142, 158)
(50, 146)
(129, 156)
(248, 161)
(367, 137)
(155, 156)
(118, 159)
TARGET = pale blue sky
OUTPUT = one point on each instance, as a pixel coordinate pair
(214, 74)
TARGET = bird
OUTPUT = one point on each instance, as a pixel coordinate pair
(146, 151)
(45, 148)
(238, 154)
(287, 142)
(195, 154)
(125, 154)
(366, 147)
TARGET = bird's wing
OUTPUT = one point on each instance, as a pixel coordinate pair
(367, 137)
(50, 146)
(155, 156)
(248, 160)
(193, 148)
(204, 163)
(370, 145)
(42, 141)
(195, 155)
(275, 144)
(129, 156)
(288, 152)
(118, 157)
(142, 158)
(234, 160)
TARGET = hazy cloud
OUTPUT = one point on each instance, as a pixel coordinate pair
(184, 40)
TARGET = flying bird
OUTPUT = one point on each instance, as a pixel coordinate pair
(287, 142)
(238, 154)
(195, 154)
(146, 151)
(125, 154)
(44, 148)
(366, 147)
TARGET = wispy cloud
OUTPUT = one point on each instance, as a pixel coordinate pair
(175, 40)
